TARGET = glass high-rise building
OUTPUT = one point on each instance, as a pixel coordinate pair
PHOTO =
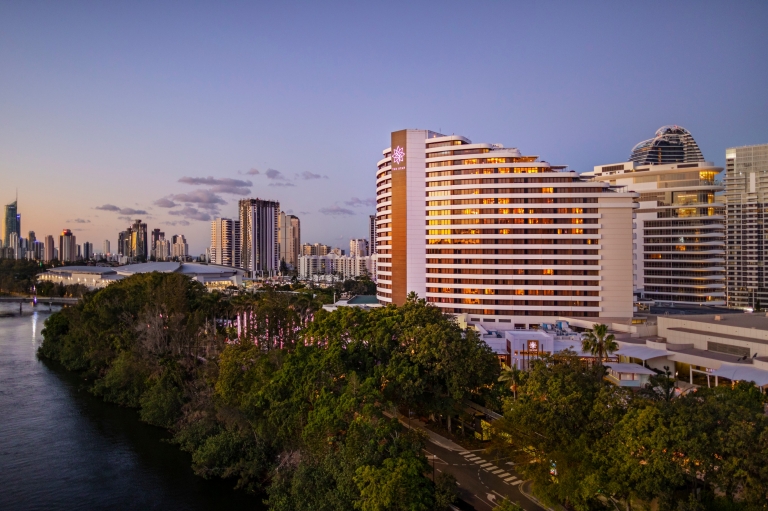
(12, 223)
(679, 229)
(508, 239)
(746, 199)
(225, 242)
(259, 250)
(67, 247)
(289, 239)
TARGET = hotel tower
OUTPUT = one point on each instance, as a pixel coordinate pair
(508, 240)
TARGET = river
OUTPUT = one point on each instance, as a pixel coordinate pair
(63, 449)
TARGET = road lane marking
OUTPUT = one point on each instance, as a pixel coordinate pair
(516, 483)
(464, 453)
(485, 465)
(479, 461)
(509, 479)
(491, 468)
(498, 471)
(504, 474)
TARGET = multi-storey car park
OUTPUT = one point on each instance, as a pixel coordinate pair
(679, 252)
(508, 240)
(746, 197)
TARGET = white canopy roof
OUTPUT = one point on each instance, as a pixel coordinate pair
(629, 368)
(641, 352)
(742, 372)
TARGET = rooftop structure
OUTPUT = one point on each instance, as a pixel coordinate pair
(361, 301)
(672, 144)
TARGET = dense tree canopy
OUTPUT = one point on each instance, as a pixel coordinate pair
(274, 392)
(587, 444)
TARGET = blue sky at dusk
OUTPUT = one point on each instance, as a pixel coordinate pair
(172, 111)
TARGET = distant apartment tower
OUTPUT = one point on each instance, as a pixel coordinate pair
(14, 244)
(12, 223)
(289, 239)
(105, 248)
(179, 248)
(746, 199)
(317, 249)
(372, 234)
(49, 249)
(67, 247)
(225, 242)
(259, 253)
(87, 251)
(139, 241)
(155, 236)
(679, 229)
(358, 247)
(511, 241)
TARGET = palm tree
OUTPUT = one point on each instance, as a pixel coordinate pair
(599, 342)
(513, 376)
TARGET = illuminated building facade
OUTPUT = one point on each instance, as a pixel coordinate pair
(509, 240)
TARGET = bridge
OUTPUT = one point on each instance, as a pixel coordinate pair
(42, 300)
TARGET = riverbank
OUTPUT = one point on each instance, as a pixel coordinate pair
(61, 448)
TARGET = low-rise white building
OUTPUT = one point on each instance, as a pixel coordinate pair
(705, 349)
(95, 277)
(344, 267)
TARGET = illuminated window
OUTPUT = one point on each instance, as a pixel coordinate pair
(547, 190)
(548, 272)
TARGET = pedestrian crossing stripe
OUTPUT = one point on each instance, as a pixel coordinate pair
(516, 483)
(510, 479)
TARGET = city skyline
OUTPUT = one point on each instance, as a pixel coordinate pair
(155, 114)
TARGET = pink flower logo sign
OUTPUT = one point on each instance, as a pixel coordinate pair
(398, 155)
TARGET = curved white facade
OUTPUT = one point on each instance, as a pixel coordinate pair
(483, 230)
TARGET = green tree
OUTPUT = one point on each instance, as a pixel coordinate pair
(397, 485)
(660, 386)
(514, 377)
(599, 342)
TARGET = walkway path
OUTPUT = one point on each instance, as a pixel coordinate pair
(482, 483)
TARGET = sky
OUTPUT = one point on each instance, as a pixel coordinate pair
(172, 111)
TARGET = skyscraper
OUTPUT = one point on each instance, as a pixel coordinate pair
(225, 242)
(358, 247)
(12, 223)
(87, 251)
(124, 243)
(372, 234)
(105, 248)
(50, 249)
(746, 199)
(510, 240)
(179, 248)
(259, 253)
(67, 247)
(155, 237)
(679, 229)
(14, 243)
(289, 239)
(139, 242)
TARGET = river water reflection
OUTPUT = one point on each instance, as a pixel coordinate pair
(63, 449)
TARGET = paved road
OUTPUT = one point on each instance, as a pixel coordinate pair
(482, 483)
